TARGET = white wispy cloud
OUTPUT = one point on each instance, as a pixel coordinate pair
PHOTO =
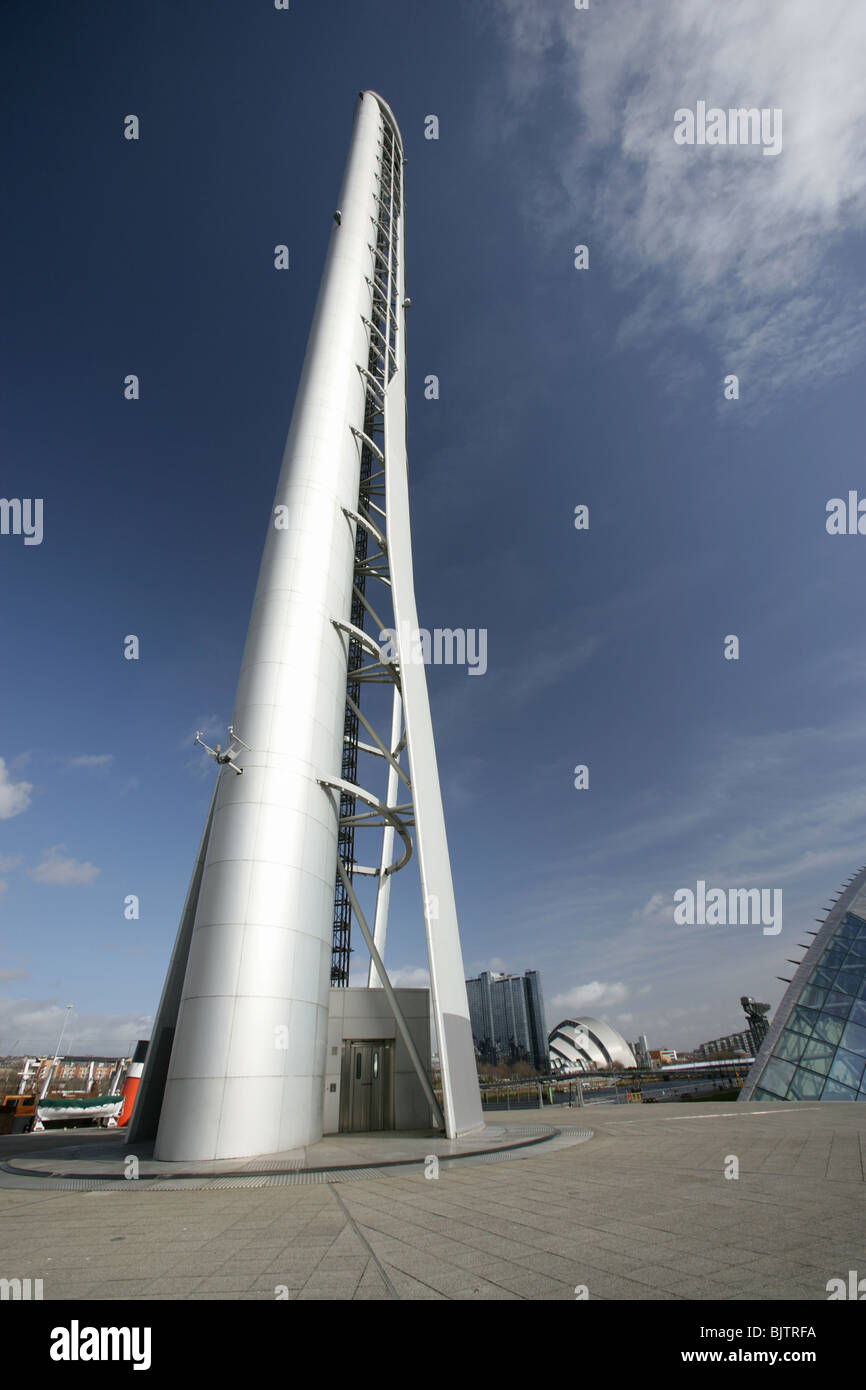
(91, 760)
(594, 995)
(720, 241)
(61, 870)
(14, 796)
(401, 976)
(495, 965)
(410, 977)
(658, 909)
(33, 1025)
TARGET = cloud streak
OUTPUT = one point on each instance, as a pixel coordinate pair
(60, 870)
(594, 995)
(34, 1025)
(714, 240)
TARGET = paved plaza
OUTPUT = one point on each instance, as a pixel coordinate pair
(642, 1209)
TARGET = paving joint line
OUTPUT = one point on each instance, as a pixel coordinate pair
(392, 1292)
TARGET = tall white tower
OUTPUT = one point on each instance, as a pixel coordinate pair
(237, 1059)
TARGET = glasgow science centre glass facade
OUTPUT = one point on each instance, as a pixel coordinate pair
(816, 1046)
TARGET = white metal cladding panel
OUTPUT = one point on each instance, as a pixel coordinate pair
(222, 1098)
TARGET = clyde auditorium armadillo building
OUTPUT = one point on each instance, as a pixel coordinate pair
(815, 1048)
(587, 1044)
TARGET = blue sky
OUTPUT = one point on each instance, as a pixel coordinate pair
(557, 387)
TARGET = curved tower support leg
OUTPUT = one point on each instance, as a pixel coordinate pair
(461, 1097)
(148, 1101)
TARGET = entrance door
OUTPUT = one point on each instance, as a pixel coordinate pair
(367, 1085)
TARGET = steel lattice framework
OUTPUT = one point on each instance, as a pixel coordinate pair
(376, 376)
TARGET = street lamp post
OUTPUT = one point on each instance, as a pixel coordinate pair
(50, 1071)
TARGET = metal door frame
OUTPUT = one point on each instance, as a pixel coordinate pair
(347, 1081)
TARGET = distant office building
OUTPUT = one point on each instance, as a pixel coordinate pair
(507, 1017)
(536, 1020)
(734, 1043)
(815, 1048)
(479, 993)
(641, 1051)
(587, 1044)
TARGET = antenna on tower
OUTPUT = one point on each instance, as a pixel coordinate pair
(230, 753)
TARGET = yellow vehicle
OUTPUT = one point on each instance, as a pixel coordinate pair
(17, 1114)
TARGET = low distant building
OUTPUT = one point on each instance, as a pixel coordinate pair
(662, 1057)
(743, 1044)
(587, 1044)
(735, 1044)
(71, 1075)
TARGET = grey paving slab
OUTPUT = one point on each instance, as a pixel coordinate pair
(640, 1211)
